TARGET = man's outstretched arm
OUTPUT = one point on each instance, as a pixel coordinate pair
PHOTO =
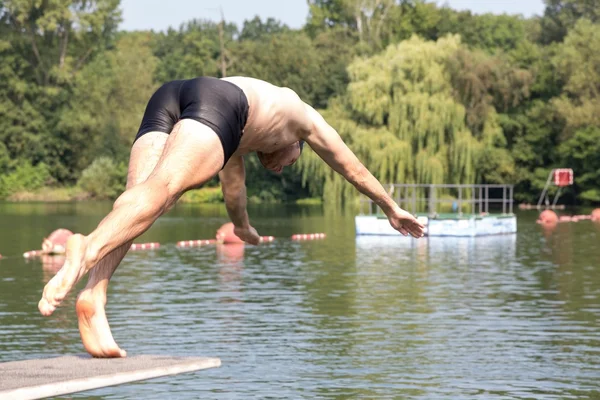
(328, 144)
(233, 185)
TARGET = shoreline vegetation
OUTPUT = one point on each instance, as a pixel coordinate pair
(421, 93)
(207, 195)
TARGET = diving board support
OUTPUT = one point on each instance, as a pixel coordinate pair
(50, 377)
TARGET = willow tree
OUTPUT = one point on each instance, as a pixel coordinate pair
(403, 119)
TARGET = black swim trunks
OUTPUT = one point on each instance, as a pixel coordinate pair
(219, 104)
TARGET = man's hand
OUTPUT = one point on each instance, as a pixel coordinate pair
(328, 145)
(405, 223)
(248, 235)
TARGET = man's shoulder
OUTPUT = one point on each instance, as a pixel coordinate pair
(259, 84)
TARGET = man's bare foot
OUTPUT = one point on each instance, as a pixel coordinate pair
(61, 284)
(93, 326)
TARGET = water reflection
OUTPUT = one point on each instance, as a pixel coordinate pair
(51, 265)
(230, 259)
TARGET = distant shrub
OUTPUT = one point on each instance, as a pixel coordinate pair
(104, 179)
(309, 201)
(24, 177)
(203, 195)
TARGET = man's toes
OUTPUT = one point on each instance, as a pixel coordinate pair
(115, 352)
(45, 308)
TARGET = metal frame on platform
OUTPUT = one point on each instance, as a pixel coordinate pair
(426, 198)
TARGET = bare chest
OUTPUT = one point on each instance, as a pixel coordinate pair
(269, 133)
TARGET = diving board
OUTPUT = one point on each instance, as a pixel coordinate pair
(48, 377)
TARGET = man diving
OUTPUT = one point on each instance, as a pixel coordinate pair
(191, 131)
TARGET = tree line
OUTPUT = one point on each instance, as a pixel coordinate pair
(421, 93)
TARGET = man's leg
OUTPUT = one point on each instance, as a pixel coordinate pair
(93, 325)
(193, 154)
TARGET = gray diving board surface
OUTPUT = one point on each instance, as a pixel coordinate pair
(48, 377)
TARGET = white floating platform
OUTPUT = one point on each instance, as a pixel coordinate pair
(451, 225)
(49, 377)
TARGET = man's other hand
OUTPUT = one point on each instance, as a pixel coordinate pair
(248, 235)
(405, 223)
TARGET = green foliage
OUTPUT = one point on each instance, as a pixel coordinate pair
(24, 177)
(206, 195)
(256, 29)
(5, 161)
(561, 15)
(264, 186)
(577, 61)
(405, 120)
(581, 153)
(108, 101)
(104, 179)
(286, 59)
(488, 31)
(421, 93)
(191, 51)
(309, 201)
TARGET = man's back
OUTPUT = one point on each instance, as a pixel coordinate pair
(276, 115)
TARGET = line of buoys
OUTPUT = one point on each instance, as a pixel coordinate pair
(144, 246)
(33, 253)
(195, 243)
(225, 235)
(576, 218)
(550, 218)
(134, 247)
(208, 242)
(308, 236)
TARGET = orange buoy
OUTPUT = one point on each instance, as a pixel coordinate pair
(195, 243)
(226, 235)
(56, 242)
(144, 246)
(547, 217)
(267, 239)
(308, 236)
(596, 215)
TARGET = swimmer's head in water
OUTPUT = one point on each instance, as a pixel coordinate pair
(281, 158)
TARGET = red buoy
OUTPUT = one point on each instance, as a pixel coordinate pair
(144, 246)
(226, 235)
(56, 242)
(548, 217)
(308, 236)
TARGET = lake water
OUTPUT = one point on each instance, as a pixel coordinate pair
(507, 317)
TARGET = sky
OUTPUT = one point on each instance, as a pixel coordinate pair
(159, 15)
